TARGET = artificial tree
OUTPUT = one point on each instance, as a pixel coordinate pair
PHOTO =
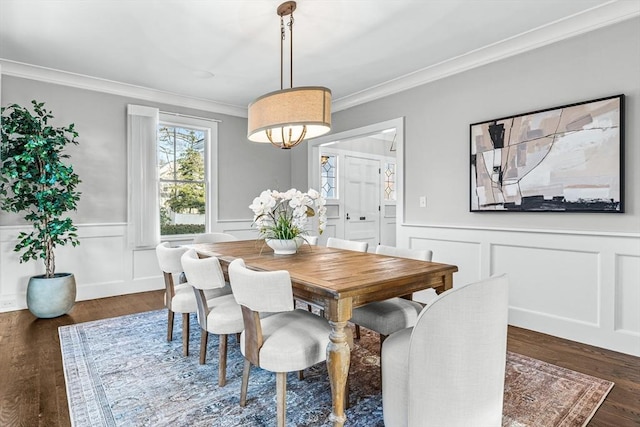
(35, 180)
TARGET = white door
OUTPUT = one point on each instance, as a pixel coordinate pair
(362, 200)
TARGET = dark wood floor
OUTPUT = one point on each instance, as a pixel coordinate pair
(32, 388)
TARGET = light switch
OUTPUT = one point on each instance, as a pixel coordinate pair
(423, 201)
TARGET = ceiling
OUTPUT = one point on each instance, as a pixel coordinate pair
(227, 51)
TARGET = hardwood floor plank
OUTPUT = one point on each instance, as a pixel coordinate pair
(33, 393)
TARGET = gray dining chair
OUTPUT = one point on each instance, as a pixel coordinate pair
(391, 315)
(218, 313)
(448, 370)
(286, 341)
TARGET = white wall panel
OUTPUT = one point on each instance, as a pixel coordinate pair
(145, 264)
(582, 286)
(560, 283)
(627, 294)
(96, 260)
(449, 252)
(467, 253)
(102, 263)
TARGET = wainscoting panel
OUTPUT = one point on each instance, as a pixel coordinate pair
(467, 253)
(582, 286)
(627, 294)
(464, 252)
(542, 280)
(102, 263)
(145, 263)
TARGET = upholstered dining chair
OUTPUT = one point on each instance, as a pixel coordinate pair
(391, 315)
(178, 298)
(214, 238)
(350, 245)
(448, 370)
(288, 340)
(312, 240)
(220, 315)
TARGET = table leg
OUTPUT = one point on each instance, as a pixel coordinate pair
(338, 359)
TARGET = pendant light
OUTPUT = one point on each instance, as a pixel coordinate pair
(286, 117)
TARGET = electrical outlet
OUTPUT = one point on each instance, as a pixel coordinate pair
(423, 201)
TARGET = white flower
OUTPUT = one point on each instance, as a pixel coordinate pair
(313, 194)
(285, 215)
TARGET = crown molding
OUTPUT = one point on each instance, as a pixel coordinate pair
(592, 19)
(589, 20)
(49, 75)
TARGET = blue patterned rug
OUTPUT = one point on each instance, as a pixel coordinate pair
(123, 372)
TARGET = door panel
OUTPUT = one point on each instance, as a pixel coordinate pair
(362, 200)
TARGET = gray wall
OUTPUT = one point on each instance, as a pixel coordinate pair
(244, 168)
(437, 117)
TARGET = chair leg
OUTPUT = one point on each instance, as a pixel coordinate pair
(245, 383)
(357, 332)
(301, 375)
(281, 391)
(169, 325)
(185, 334)
(222, 361)
(204, 335)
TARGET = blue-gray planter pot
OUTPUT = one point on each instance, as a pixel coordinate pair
(51, 297)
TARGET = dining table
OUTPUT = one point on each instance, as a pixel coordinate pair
(337, 281)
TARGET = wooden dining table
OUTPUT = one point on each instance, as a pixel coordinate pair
(338, 281)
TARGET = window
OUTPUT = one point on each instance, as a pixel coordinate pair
(389, 181)
(328, 181)
(183, 175)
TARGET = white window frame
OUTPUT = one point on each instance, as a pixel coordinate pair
(210, 127)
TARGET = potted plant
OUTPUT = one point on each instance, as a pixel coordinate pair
(35, 180)
(282, 218)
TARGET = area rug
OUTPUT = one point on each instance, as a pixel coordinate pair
(123, 372)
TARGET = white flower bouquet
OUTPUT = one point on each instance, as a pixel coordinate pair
(286, 215)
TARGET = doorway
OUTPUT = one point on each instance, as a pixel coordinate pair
(360, 174)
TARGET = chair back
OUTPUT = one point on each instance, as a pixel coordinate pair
(214, 238)
(169, 258)
(261, 291)
(350, 245)
(418, 254)
(458, 350)
(204, 273)
(312, 240)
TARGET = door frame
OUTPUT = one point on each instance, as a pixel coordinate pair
(313, 154)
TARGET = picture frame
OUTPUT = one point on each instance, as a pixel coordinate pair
(561, 159)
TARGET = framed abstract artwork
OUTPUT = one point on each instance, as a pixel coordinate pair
(562, 159)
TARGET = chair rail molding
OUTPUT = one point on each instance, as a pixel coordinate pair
(578, 285)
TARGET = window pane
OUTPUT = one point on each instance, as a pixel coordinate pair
(390, 181)
(328, 177)
(166, 153)
(181, 170)
(182, 208)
